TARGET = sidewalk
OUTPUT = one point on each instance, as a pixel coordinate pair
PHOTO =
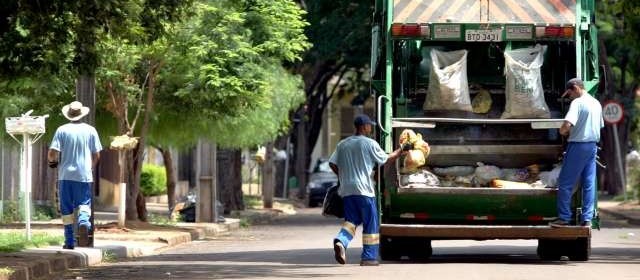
(629, 211)
(137, 239)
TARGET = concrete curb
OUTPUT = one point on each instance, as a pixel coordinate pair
(42, 263)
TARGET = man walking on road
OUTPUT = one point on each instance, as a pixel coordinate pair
(354, 161)
(75, 149)
(582, 124)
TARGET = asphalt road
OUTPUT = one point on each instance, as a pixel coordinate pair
(299, 247)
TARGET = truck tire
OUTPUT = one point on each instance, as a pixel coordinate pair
(389, 250)
(418, 249)
(580, 249)
(393, 248)
(550, 250)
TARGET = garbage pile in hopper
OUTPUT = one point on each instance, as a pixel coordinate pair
(414, 172)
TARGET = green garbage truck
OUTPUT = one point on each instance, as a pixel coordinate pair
(482, 83)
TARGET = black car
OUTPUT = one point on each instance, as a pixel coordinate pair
(319, 181)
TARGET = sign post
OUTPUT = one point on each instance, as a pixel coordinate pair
(612, 113)
(26, 125)
(122, 144)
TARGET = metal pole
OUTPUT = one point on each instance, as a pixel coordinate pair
(214, 180)
(122, 205)
(26, 169)
(619, 160)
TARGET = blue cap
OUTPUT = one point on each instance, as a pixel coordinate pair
(362, 119)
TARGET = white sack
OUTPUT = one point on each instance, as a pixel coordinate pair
(448, 87)
(524, 93)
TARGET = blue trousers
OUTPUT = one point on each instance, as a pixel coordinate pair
(359, 209)
(74, 195)
(579, 163)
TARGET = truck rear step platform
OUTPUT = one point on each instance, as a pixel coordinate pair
(484, 232)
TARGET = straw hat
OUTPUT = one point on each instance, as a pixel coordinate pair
(74, 111)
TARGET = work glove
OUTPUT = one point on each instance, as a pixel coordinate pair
(53, 164)
(407, 146)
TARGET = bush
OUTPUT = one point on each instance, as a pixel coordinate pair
(44, 213)
(11, 212)
(153, 180)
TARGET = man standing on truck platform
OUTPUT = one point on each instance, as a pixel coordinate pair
(582, 124)
(76, 147)
(354, 161)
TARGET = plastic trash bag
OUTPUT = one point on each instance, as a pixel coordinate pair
(418, 150)
(550, 178)
(408, 136)
(454, 170)
(333, 205)
(448, 87)
(486, 173)
(523, 92)
(481, 103)
(516, 175)
(421, 178)
(413, 160)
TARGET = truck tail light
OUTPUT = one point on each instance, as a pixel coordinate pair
(566, 32)
(535, 218)
(410, 30)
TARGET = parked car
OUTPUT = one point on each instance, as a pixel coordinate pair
(320, 180)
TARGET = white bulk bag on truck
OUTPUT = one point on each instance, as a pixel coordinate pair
(524, 93)
(448, 87)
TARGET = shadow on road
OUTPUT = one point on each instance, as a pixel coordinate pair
(195, 271)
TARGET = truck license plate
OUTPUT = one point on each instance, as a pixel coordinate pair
(483, 35)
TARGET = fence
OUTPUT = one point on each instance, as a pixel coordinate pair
(43, 189)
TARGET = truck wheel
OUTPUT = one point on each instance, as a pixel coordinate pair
(549, 250)
(418, 249)
(389, 250)
(580, 249)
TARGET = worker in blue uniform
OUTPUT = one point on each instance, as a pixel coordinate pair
(354, 161)
(75, 151)
(582, 125)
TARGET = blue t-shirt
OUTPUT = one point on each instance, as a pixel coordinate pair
(76, 143)
(356, 156)
(585, 116)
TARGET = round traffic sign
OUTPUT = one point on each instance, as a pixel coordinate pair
(612, 112)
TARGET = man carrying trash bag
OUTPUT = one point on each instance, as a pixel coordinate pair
(353, 161)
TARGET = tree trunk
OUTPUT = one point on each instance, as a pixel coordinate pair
(132, 188)
(280, 144)
(301, 157)
(230, 179)
(309, 116)
(268, 177)
(611, 178)
(135, 196)
(86, 94)
(172, 180)
(136, 206)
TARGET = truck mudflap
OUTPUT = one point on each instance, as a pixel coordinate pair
(484, 232)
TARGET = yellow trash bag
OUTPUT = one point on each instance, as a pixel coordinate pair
(481, 103)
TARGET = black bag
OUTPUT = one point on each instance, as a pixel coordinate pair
(333, 204)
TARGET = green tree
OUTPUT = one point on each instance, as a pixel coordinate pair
(619, 45)
(340, 32)
(209, 77)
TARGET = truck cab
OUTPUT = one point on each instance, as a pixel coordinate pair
(405, 34)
